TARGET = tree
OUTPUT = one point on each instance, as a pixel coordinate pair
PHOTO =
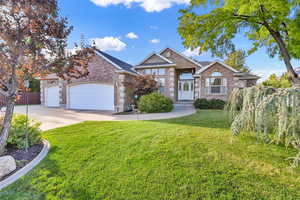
(33, 41)
(274, 24)
(237, 60)
(278, 82)
(143, 85)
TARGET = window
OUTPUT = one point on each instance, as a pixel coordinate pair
(186, 76)
(155, 71)
(162, 84)
(186, 86)
(148, 71)
(162, 71)
(216, 86)
(216, 74)
(161, 81)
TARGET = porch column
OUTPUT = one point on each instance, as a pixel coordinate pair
(197, 87)
(42, 92)
(172, 83)
(122, 94)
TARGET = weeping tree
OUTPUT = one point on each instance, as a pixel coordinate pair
(33, 41)
(274, 24)
(274, 114)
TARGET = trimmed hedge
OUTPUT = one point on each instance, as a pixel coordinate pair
(155, 103)
(216, 104)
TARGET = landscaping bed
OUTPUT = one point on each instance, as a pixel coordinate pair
(22, 157)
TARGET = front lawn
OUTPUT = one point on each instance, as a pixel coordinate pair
(190, 158)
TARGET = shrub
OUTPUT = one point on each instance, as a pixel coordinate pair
(210, 104)
(202, 104)
(155, 103)
(217, 104)
(17, 135)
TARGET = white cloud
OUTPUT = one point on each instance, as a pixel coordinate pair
(132, 35)
(109, 44)
(191, 53)
(148, 5)
(155, 41)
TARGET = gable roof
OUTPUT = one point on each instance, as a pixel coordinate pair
(211, 64)
(297, 70)
(180, 54)
(164, 60)
(116, 62)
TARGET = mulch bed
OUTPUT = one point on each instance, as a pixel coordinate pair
(22, 157)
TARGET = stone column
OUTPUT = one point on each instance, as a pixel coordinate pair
(60, 86)
(42, 93)
(197, 87)
(122, 94)
(172, 83)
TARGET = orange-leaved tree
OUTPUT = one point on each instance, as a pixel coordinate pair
(33, 42)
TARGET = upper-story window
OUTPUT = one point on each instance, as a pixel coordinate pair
(186, 76)
(156, 71)
(216, 74)
(216, 84)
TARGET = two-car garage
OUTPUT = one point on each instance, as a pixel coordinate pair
(90, 97)
(86, 96)
(104, 88)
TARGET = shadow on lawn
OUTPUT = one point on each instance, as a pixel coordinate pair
(203, 118)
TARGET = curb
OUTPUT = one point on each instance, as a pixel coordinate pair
(14, 177)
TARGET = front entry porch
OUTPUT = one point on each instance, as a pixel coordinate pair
(185, 85)
(185, 90)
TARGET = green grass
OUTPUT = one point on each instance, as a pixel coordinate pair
(190, 158)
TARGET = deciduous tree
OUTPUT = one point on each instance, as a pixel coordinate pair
(278, 81)
(274, 24)
(237, 60)
(33, 41)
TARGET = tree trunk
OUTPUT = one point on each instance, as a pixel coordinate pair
(6, 123)
(286, 56)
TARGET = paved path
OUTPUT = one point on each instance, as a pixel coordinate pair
(57, 117)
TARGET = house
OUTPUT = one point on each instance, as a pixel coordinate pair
(298, 70)
(182, 78)
(103, 89)
(106, 87)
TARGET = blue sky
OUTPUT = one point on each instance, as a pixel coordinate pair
(153, 26)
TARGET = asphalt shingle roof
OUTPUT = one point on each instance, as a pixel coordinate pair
(125, 66)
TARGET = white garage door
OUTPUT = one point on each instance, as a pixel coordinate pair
(52, 96)
(91, 97)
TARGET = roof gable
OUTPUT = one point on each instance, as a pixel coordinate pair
(181, 55)
(155, 59)
(212, 64)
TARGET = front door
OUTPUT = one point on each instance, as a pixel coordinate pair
(186, 90)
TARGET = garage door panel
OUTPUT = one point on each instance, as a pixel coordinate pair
(91, 97)
(52, 96)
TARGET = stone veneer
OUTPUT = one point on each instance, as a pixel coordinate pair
(200, 82)
(101, 72)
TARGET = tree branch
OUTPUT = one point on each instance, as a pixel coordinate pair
(246, 18)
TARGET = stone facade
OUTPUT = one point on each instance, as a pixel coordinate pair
(226, 74)
(183, 64)
(100, 72)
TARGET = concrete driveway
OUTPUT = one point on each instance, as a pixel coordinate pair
(57, 117)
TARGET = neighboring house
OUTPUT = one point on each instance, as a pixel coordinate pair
(103, 89)
(182, 78)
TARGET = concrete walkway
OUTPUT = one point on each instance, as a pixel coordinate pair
(57, 117)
